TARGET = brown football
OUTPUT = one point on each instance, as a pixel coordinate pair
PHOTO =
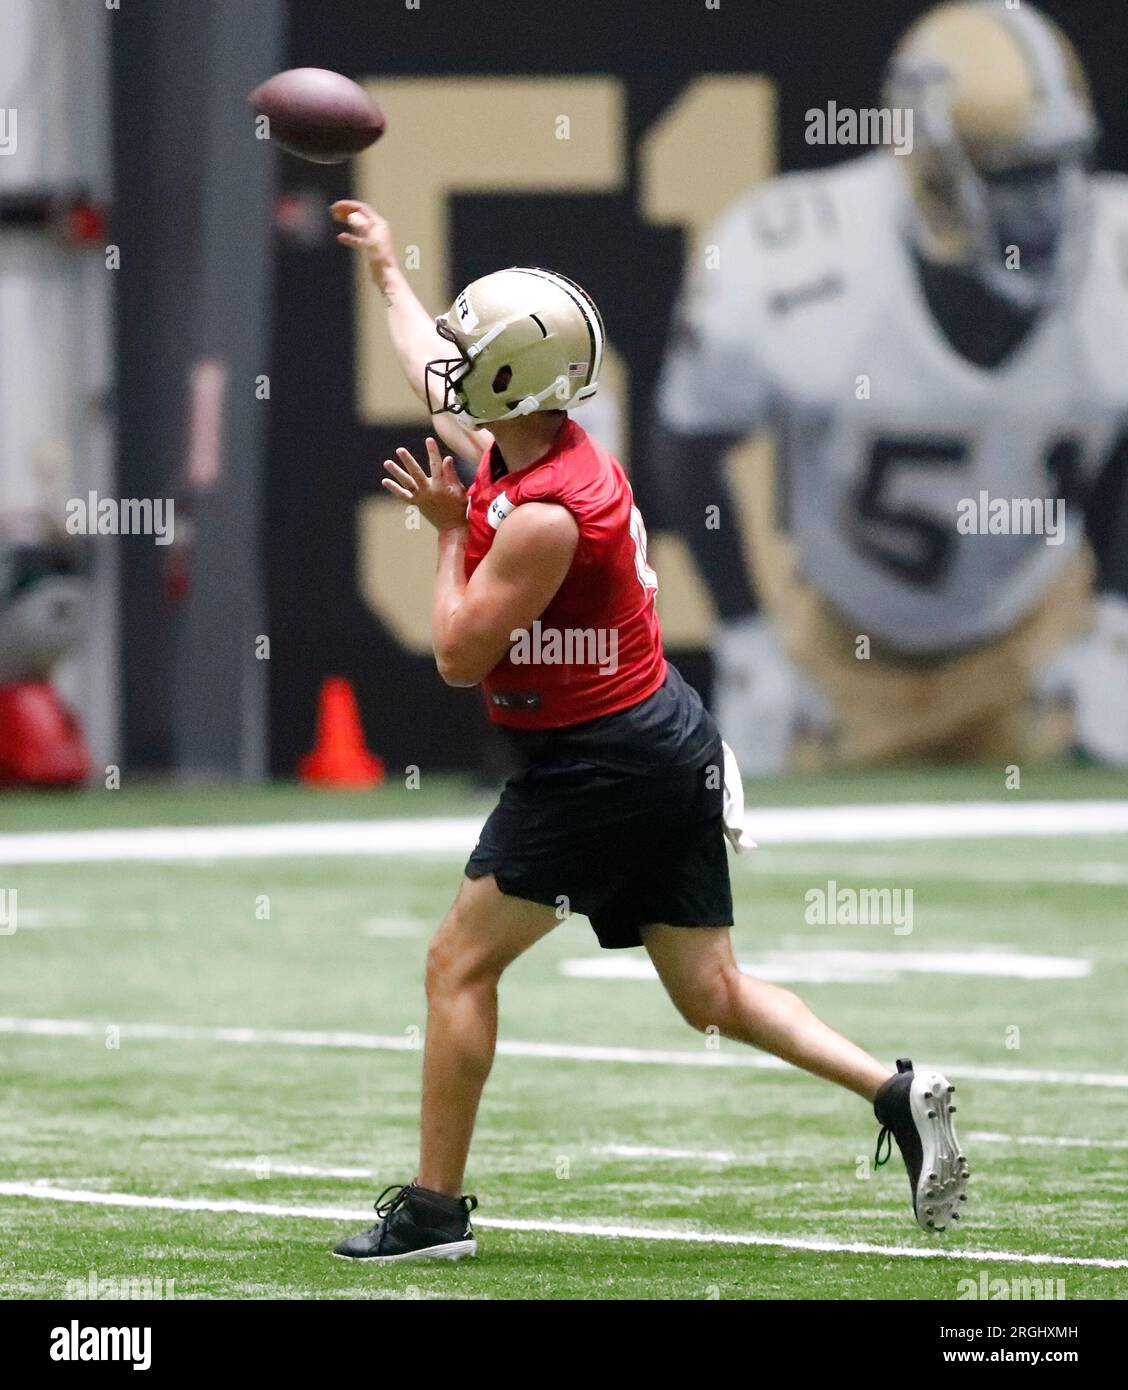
(317, 114)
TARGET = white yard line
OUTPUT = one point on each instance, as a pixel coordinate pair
(650, 1151)
(453, 836)
(815, 966)
(39, 918)
(395, 928)
(813, 863)
(705, 1056)
(269, 1168)
(84, 1197)
(1044, 1141)
(376, 1042)
(185, 1032)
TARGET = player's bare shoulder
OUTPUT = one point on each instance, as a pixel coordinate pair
(538, 528)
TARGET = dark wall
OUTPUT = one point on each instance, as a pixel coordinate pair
(323, 460)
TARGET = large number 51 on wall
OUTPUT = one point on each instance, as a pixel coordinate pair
(557, 134)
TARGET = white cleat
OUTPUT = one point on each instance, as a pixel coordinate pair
(916, 1110)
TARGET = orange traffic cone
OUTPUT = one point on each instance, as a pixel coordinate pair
(339, 757)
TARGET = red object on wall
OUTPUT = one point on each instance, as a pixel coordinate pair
(86, 224)
(41, 744)
(339, 757)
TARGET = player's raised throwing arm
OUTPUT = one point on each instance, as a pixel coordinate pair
(413, 330)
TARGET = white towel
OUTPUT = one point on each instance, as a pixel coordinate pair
(733, 813)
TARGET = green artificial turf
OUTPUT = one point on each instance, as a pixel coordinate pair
(742, 1149)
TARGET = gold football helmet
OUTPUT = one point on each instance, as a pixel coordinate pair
(1002, 129)
(527, 340)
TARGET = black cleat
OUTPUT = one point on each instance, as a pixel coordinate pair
(917, 1112)
(415, 1224)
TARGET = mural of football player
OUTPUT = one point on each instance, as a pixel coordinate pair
(935, 338)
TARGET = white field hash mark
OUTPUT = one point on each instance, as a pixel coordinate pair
(740, 1056)
(42, 1191)
(454, 836)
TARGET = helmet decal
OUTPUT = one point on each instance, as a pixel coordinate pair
(467, 318)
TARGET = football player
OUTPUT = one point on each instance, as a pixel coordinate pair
(622, 802)
(935, 338)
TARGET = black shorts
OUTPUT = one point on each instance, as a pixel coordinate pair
(619, 820)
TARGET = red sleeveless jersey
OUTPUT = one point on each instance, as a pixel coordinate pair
(597, 647)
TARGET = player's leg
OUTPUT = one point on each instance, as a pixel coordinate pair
(484, 930)
(697, 967)
(701, 976)
(481, 934)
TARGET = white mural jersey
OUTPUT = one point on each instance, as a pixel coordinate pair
(812, 322)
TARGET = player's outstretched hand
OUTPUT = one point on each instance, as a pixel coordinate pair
(441, 497)
(368, 232)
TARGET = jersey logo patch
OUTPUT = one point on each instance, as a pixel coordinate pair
(500, 508)
(516, 699)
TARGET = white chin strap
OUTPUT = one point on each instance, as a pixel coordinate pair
(529, 405)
